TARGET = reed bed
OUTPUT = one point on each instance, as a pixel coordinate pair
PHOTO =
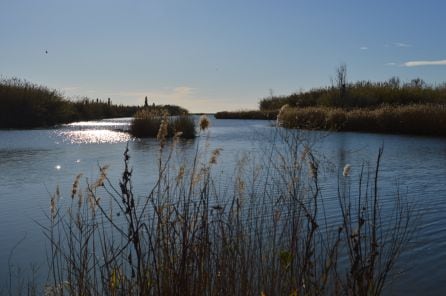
(27, 105)
(147, 123)
(362, 94)
(411, 119)
(265, 234)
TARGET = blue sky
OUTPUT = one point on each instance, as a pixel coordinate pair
(216, 55)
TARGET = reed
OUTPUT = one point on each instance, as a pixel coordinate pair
(266, 234)
(27, 105)
(362, 94)
(411, 119)
(147, 122)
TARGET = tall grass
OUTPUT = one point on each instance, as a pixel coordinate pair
(362, 94)
(27, 105)
(24, 105)
(386, 107)
(266, 234)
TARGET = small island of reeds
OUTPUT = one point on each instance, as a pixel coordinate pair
(148, 123)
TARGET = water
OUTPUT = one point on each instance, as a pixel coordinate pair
(34, 162)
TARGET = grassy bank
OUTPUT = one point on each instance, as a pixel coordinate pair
(27, 105)
(411, 119)
(267, 233)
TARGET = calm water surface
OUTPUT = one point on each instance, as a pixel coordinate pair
(34, 162)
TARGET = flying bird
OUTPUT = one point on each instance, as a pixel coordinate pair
(46, 51)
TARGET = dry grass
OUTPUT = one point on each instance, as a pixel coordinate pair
(267, 234)
(147, 122)
(411, 119)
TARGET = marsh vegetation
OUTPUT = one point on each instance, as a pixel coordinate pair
(149, 123)
(27, 105)
(266, 233)
(392, 106)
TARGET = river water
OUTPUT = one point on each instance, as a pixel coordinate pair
(34, 162)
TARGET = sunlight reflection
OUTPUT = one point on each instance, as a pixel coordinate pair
(100, 123)
(95, 136)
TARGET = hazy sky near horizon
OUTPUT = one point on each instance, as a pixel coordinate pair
(216, 55)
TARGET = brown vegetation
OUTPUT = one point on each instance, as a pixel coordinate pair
(147, 122)
(267, 234)
(410, 119)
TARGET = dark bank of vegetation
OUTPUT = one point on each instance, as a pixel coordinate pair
(248, 114)
(27, 105)
(392, 106)
(362, 94)
(385, 107)
(266, 234)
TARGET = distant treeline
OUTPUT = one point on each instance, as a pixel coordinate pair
(27, 105)
(362, 94)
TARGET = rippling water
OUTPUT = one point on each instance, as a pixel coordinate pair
(34, 162)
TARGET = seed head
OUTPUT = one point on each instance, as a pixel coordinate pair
(204, 122)
(280, 114)
(214, 156)
(75, 187)
(346, 170)
(162, 132)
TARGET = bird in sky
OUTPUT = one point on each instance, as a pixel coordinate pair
(46, 51)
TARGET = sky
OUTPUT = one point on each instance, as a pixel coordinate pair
(211, 55)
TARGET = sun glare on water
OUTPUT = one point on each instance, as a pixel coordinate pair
(95, 136)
